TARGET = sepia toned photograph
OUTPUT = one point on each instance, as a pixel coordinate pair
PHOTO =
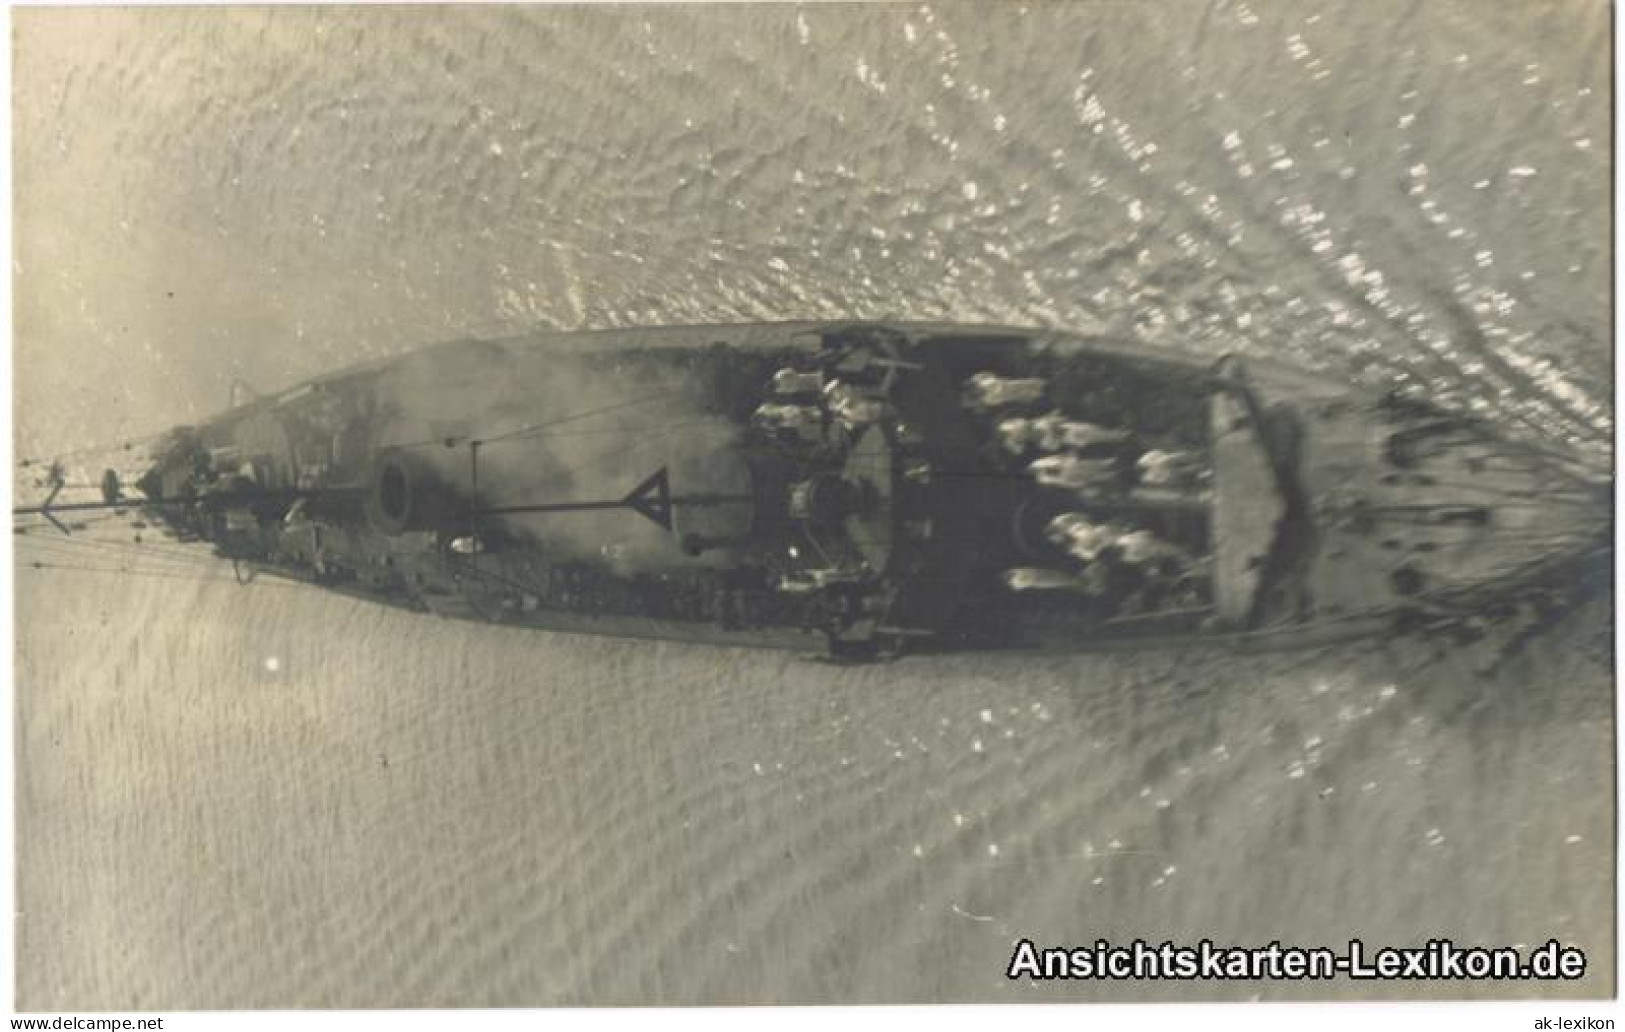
(812, 504)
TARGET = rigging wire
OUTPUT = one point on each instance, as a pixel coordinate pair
(94, 553)
(96, 556)
(153, 549)
(590, 413)
(126, 572)
(535, 429)
(571, 472)
(128, 444)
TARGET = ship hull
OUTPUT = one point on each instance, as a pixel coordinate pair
(863, 490)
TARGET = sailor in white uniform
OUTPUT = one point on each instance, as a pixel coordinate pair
(1038, 578)
(790, 382)
(1082, 537)
(991, 391)
(802, 421)
(853, 406)
(1074, 472)
(1055, 432)
(1016, 435)
(1162, 468)
(1141, 547)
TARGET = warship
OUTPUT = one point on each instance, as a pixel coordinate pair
(859, 491)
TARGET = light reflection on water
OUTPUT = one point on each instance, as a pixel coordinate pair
(207, 194)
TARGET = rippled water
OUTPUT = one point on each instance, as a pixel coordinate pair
(275, 798)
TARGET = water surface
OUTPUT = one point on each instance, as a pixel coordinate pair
(270, 797)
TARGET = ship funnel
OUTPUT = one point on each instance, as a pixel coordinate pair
(408, 494)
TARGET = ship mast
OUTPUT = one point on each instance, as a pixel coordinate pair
(651, 498)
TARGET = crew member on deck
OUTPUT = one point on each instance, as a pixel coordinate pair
(1158, 573)
(1164, 468)
(1081, 536)
(1142, 548)
(1037, 578)
(853, 406)
(1017, 435)
(991, 391)
(801, 423)
(1077, 473)
(1054, 432)
(789, 382)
